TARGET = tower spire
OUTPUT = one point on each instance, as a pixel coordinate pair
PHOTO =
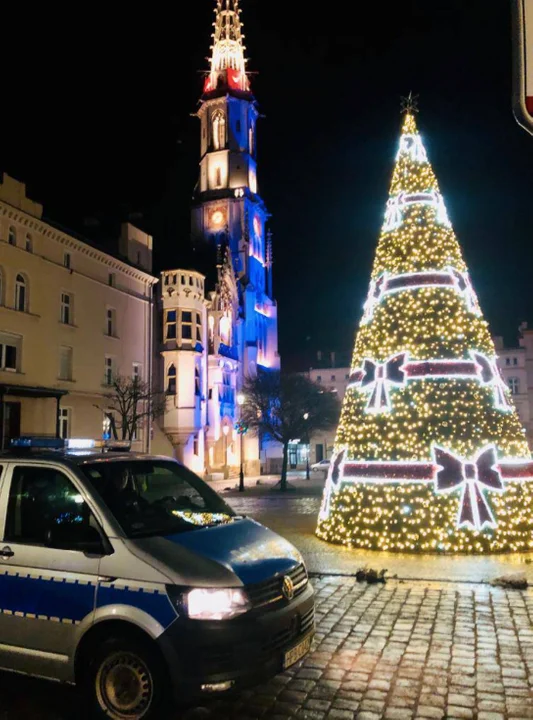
(228, 64)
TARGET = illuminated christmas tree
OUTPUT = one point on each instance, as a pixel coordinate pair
(430, 455)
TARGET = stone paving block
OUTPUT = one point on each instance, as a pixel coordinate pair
(454, 711)
(426, 711)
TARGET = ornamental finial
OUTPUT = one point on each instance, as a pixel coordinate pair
(228, 64)
(409, 104)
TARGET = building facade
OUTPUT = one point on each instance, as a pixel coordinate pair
(234, 325)
(71, 318)
(516, 366)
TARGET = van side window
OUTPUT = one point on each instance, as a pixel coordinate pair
(38, 498)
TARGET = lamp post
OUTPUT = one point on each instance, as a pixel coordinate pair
(306, 418)
(240, 402)
(225, 430)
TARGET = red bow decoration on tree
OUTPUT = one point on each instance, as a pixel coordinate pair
(377, 376)
(473, 477)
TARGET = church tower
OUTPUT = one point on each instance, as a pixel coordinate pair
(229, 218)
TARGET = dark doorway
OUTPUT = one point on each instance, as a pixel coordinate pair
(319, 452)
(10, 427)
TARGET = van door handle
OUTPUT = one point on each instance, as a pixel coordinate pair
(6, 552)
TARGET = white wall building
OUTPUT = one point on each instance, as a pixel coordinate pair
(71, 317)
(516, 365)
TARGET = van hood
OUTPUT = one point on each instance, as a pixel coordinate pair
(243, 550)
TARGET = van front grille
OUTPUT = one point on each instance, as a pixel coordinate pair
(270, 591)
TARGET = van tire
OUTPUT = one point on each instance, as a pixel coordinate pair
(127, 680)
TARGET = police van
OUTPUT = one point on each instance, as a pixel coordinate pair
(129, 576)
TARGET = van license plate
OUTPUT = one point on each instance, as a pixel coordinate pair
(297, 652)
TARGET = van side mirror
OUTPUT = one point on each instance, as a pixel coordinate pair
(75, 536)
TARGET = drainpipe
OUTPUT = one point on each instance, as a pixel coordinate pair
(151, 351)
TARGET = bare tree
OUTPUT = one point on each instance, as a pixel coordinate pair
(131, 400)
(286, 407)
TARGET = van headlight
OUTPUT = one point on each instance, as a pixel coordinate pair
(215, 603)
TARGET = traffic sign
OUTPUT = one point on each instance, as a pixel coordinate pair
(523, 62)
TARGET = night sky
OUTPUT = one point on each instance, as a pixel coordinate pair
(95, 118)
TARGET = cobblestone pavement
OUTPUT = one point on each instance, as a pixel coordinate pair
(394, 651)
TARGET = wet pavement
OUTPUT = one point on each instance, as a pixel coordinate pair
(294, 515)
(395, 651)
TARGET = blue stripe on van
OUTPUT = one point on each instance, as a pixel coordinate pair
(49, 597)
(156, 604)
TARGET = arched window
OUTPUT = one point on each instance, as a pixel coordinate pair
(251, 140)
(171, 379)
(29, 243)
(12, 238)
(218, 177)
(21, 294)
(219, 130)
(197, 388)
(225, 330)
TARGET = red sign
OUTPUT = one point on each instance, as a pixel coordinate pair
(523, 62)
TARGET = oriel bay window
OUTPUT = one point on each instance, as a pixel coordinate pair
(170, 324)
(186, 325)
(171, 379)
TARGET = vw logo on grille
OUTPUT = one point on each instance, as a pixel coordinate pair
(287, 588)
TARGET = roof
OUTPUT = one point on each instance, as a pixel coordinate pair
(74, 458)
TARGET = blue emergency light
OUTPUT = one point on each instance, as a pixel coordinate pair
(38, 443)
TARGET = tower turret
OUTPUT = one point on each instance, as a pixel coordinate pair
(228, 64)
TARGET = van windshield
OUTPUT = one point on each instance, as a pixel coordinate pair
(156, 497)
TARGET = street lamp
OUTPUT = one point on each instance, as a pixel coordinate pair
(306, 418)
(240, 402)
(225, 430)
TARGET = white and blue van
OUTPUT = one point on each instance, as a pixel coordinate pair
(129, 576)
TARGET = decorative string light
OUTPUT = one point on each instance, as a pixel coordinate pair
(421, 304)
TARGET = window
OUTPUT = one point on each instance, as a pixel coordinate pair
(12, 237)
(111, 280)
(515, 361)
(64, 422)
(507, 361)
(21, 292)
(333, 378)
(66, 308)
(319, 378)
(171, 380)
(225, 330)
(197, 385)
(170, 325)
(66, 260)
(29, 243)
(65, 363)
(219, 130)
(155, 498)
(111, 322)
(347, 377)
(186, 325)
(109, 370)
(218, 177)
(198, 327)
(251, 138)
(195, 445)
(514, 385)
(137, 371)
(9, 352)
(1, 287)
(40, 498)
(238, 126)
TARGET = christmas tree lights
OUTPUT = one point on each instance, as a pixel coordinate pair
(430, 455)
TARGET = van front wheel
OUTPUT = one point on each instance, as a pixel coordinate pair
(127, 681)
